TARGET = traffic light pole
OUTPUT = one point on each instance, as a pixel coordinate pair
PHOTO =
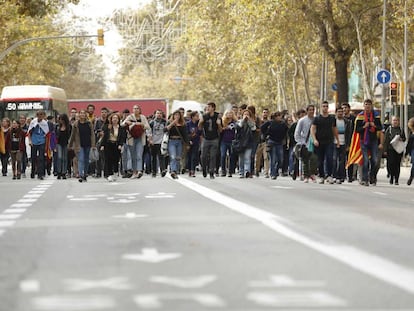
(406, 86)
(384, 25)
(21, 42)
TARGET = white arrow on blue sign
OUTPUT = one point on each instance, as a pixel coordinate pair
(383, 76)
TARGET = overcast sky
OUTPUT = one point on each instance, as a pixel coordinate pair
(98, 8)
(95, 9)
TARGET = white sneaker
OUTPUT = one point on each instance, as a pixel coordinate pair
(110, 178)
(330, 180)
(322, 180)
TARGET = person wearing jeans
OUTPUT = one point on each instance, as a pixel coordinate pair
(210, 124)
(275, 132)
(368, 125)
(82, 139)
(38, 129)
(178, 137)
(323, 132)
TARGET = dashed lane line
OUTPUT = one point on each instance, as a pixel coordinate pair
(16, 210)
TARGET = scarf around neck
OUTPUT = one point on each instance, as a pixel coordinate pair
(368, 117)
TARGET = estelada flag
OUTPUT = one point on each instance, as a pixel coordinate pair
(355, 152)
(2, 142)
(48, 149)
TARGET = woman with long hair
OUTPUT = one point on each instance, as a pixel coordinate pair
(16, 147)
(136, 144)
(178, 137)
(112, 142)
(63, 131)
(82, 139)
(194, 134)
(227, 135)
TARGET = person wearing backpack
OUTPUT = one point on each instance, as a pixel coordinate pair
(275, 132)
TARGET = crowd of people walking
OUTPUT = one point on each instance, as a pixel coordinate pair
(308, 145)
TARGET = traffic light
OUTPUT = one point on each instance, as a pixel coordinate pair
(394, 92)
(100, 36)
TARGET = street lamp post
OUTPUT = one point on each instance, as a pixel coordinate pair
(384, 15)
(405, 93)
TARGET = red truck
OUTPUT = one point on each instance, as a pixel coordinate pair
(148, 105)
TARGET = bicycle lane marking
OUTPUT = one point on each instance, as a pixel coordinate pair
(373, 265)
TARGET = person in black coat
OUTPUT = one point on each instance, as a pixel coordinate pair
(113, 139)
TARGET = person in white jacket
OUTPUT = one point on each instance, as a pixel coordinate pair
(302, 136)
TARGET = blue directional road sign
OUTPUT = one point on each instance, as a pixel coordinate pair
(383, 76)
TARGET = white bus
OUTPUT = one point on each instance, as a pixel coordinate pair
(27, 99)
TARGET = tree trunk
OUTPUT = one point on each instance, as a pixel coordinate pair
(341, 73)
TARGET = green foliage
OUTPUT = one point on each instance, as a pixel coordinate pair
(53, 62)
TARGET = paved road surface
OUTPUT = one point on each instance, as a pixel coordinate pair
(198, 244)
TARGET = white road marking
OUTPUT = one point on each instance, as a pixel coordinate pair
(15, 210)
(128, 194)
(30, 286)
(27, 200)
(83, 199)
(95, 195)
(130, 216)
(292, 299)
(160, 195)
(73, 303)
(285, 281)
(42, 187)
(376, 266)
(19, 205)
(121, 201)
(116, 283)
(154, 301)
(36, 191)
(188, 282)
(281, 187)
(380, 193)
(28, 196)
(151, 255)
(7, 223)
(10, 216)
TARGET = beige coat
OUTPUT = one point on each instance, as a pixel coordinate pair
(147, 128)
(74, 140)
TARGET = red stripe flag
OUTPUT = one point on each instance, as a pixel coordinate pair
(355, 153)
(2, 142)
